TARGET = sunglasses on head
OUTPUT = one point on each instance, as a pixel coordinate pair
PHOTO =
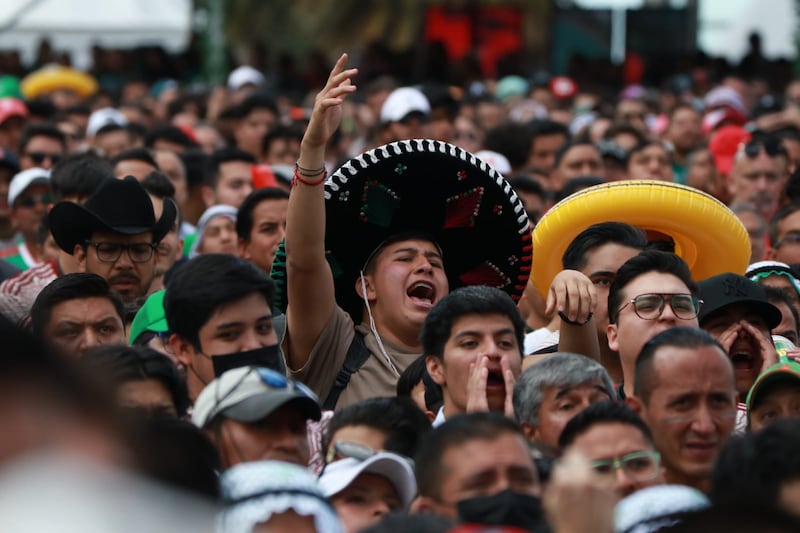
(772, 147)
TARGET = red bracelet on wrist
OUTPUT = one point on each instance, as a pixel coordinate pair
(298, 178)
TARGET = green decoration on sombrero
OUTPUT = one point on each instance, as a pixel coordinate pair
(422, 187)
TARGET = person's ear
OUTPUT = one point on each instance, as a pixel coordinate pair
(183, 349)
(635, 404)
(79, 253)
(362, 282)
(244, 251)
(529, 430)
(209, 196)
(435, 367)
(612, 333)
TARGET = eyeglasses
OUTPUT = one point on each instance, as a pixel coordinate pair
(109, 252)
(32, 200)
(651, 306)
(789, 238)
(773, 148)
(638, 466)
(39, 157)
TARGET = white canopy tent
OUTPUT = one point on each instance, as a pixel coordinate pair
(75, 26)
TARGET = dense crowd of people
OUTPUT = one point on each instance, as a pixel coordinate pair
(263, 314)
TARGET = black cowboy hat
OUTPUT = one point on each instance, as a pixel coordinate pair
(117, 206)
(422, 187)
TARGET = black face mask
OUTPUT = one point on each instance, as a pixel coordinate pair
(506, 508)
(266, 356)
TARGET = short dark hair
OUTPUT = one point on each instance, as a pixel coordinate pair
(472, 300)
(135, 154)
(574, 257)
(641, 145)
(524, 183)
(541, 128)
(172, 134)
(677, 337)
(417, 372)
(71, 287)
(44, 130)
(280, 132)
(602, 413)
(224, 155)
(646, 261)
(399, 418)
(617, 129)
(244, 217)
(776, 294)
(773, 230)
(203, 284)
(569, 145)
(257, 100)
(79, 175)
(110, 128)
(511, 139)
(429, 468)
(418, 523)
(752, 468)
(158, 184)
(118, 364)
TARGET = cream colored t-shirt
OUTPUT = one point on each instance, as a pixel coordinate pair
(374, 378)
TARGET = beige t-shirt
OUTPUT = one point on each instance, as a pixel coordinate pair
(374, 378)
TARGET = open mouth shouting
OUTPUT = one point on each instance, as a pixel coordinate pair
(422, 294)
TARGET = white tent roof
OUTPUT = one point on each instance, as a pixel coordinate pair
(76, 25)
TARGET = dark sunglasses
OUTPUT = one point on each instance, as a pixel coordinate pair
(773, 147)
(32, 200)
(39, 157)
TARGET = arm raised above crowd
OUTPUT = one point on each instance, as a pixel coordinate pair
(573, 295)
(310, 286)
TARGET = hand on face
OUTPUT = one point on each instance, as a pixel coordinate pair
(479, 382)
(741, 330)
(573, 294)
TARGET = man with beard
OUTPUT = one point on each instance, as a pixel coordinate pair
(759, 175)
(115, 234)
(737, 312)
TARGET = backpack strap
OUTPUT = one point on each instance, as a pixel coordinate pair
(357, 355)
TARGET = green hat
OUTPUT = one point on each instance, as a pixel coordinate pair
(150, 317)
(786, 370)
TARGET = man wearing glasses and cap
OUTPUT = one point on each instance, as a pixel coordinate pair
(652, 292)
(253, 414)
(759, 175)
(114, 234)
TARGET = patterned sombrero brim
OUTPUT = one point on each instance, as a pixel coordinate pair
(422, 187)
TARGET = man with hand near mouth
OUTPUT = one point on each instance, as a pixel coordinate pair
(473, 342)
(738, 314)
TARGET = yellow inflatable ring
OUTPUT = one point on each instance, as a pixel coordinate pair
(55, 77)
(707, 235)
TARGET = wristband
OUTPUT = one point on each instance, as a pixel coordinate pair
(309, 172)
(297, 178)
(565, 318)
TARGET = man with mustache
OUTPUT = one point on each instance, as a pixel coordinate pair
(759, 175)
(114, 235)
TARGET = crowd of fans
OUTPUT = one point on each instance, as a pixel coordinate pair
(273, 314)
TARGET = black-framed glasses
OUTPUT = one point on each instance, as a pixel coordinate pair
(39, 157)
(651, 306)
(772, 147)
(33, 199)
(109, 252)
(638, 466)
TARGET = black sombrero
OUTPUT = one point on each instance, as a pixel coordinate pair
(117, 206)
(422, 187)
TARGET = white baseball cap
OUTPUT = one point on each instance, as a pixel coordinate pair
(402, 102)
(338, 475)
(496, 160)
(104, 117)
(241, 76)
(23, 180)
